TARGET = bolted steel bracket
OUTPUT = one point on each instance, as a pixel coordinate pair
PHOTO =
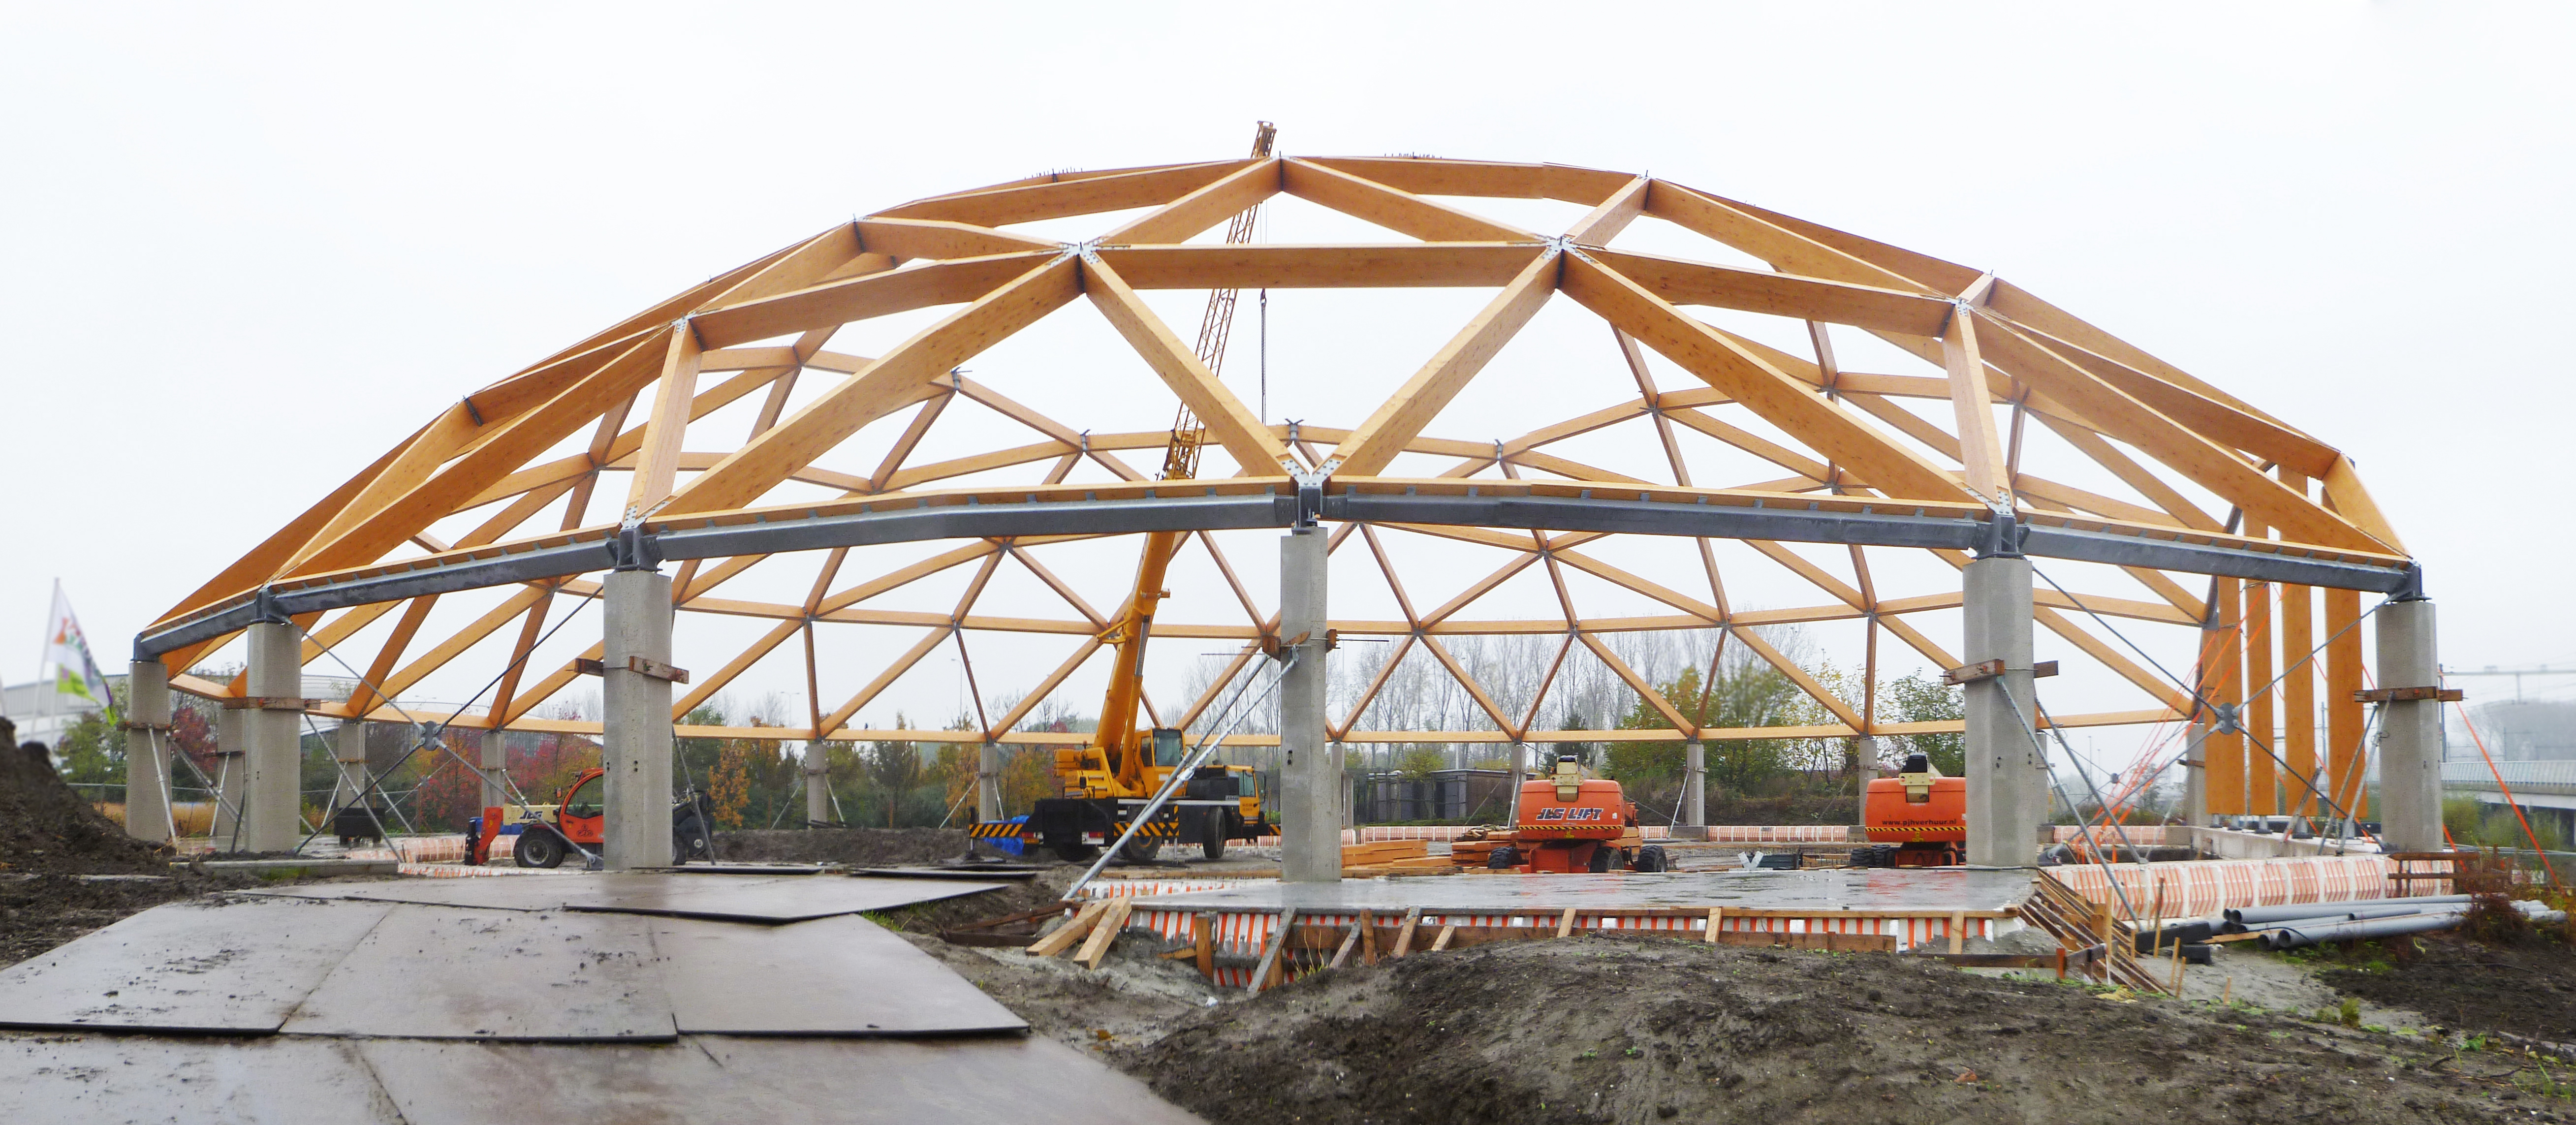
(2003, 537)
(268, 612)
(1310, 498)
(632, 549)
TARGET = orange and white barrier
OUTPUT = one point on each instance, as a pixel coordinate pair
(2203, 887)
(1248, 933)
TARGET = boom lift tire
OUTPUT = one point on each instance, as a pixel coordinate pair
(538, 847)
(1503, 858)
(1602, 858)
(1651, 858)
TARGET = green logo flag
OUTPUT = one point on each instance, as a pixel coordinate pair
(75, 672)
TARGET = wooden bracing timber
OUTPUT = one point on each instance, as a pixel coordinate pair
(624, 427)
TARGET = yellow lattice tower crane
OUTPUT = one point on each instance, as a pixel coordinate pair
(1107, 782)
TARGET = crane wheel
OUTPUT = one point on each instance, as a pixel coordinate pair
(537, 848)
(1142, 849)
(1214, 828)
(1073, 853)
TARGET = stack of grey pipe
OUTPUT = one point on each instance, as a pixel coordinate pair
(2289, 927)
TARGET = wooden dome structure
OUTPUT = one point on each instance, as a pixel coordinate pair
(721, 433)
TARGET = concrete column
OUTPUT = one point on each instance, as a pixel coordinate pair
(818, 786)
(1694, 790)
(1866, 760)
(636, 717)
(2410, 740)
(349, 753)
(230, 774)
(1310, 844)
(1342, 786)
(495, 760)
(2195, 776)
(147, 743)
(272, 760)
(988, 783)
(2007, 775)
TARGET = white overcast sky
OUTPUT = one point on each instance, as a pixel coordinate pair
(250, 247)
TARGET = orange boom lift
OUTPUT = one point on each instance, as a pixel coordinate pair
(1917, 818)
(1568, 822)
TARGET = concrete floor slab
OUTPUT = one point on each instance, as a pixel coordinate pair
(739, 898)
(272, 1080)
(830, 976)
(999, 1078)
(209, 965)
(446, 973)
(715, 1078)
(1862, 889)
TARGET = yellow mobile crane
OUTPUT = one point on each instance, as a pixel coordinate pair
(1107, 782)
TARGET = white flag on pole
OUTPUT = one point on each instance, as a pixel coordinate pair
(67, 650)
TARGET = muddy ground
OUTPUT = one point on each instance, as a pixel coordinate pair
(2520, 988)
(47, 829)
(1627, 1029)
(65, 869)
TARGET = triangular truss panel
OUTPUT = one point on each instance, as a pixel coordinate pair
(1551, 336)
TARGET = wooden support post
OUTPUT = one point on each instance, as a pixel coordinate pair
(1350, 941)
(1368, 937)
(1565, 922)
(1268, 969)
(1442, 942)
(1404, 936)
(1203, 943)
(1716, 917)
(1958, 931)
(1096, 947)
(1073, 929)
(2344, 718)
(2262, 778)
(2223, 682)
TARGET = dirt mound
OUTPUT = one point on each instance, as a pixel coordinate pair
(2524, 989)
(1612, 1029)
(46, 828)
(39, 912)
(858, 847)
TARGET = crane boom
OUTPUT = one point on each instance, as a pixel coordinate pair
(1122, 758)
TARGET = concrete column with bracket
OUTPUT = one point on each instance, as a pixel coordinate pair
(2195, 776)
(230, 774)
(2410, 726)
(349, 755)
(1694, 790)
(2007, 773)
(147, 751)
(272, 728)
(818, 784)
(495, 760)
(988, 783)
(1310, 844)
(636, 717)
